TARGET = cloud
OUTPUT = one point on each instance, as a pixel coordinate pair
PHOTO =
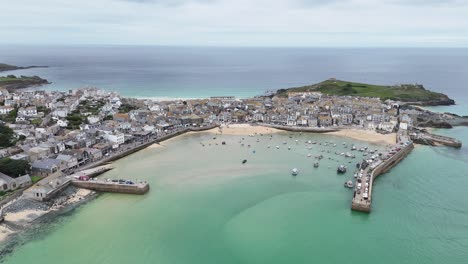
(236, 22)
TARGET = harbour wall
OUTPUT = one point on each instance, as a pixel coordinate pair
(112, 187)
(379, 170)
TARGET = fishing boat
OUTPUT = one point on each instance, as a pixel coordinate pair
(341, 169)
(349, 184)
(295, 172)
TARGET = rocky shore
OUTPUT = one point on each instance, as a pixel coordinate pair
(20, 214)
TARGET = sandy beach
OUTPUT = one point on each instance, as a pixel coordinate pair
(366, 135)
(243, 129)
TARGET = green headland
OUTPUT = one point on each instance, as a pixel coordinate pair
(412, 93)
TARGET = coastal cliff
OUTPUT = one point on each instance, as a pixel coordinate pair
(407, 93)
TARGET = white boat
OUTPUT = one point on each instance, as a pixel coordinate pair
(277, 147)
(295, 172)
(309, 155)
(349, 184)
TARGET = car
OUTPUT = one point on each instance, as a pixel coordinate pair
(359, 186)
(115, 180)
(129, 182)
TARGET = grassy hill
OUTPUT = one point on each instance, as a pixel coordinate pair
(12, 82)
(404, 92)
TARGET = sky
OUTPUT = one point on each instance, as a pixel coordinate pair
(289, 23)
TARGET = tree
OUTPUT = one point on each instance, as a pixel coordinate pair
(14, 168)
(6, 136)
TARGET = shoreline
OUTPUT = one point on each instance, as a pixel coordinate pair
(23, 213)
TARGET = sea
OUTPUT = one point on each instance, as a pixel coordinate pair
(205, 206)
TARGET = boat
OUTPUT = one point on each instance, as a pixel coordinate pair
(349, 184)
(316, 165)
(223, 143)
(289, 148)
(277, 147)
(309, 155)
(244, 161)
(295, 172)
(269, 146)
(353, 148)
(341, 169)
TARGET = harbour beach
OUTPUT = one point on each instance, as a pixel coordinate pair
(366, 135)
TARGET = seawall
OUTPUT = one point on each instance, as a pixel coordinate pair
(364, 205)
(301, 129)
(101, 186)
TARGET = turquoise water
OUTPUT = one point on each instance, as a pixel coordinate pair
(206, 207)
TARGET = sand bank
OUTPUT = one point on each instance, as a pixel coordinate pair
(366, 135)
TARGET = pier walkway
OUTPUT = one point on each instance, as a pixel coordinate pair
(371, 168)
(114, 187)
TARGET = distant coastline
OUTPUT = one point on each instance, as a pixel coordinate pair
(7, 67)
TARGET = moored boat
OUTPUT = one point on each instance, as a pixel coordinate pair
(295, 172)
(341, 169)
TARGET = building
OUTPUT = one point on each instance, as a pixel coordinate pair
(8, 183)
(46, 167)
(115, 138)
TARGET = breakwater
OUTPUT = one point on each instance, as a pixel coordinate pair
(361, 201)
(434, 140)
(113, 187)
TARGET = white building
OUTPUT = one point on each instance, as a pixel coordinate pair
(4, 110)
(115, 138)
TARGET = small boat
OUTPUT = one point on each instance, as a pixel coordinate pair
(309, 155)
(353, 148)
(269, 146)
(349, 184)
(244, 161)
(309, 142)
(223, 143)
(316, 165)
(277, 147)
(341, 169)
(295, 172)
(289, 148)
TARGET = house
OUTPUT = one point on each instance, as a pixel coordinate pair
(115, 138)
(37, 153)
(62, 123)
(46, 167)
(70, 161)
(4, 110)
(8, 183)
(94, 154)
(30, 111)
